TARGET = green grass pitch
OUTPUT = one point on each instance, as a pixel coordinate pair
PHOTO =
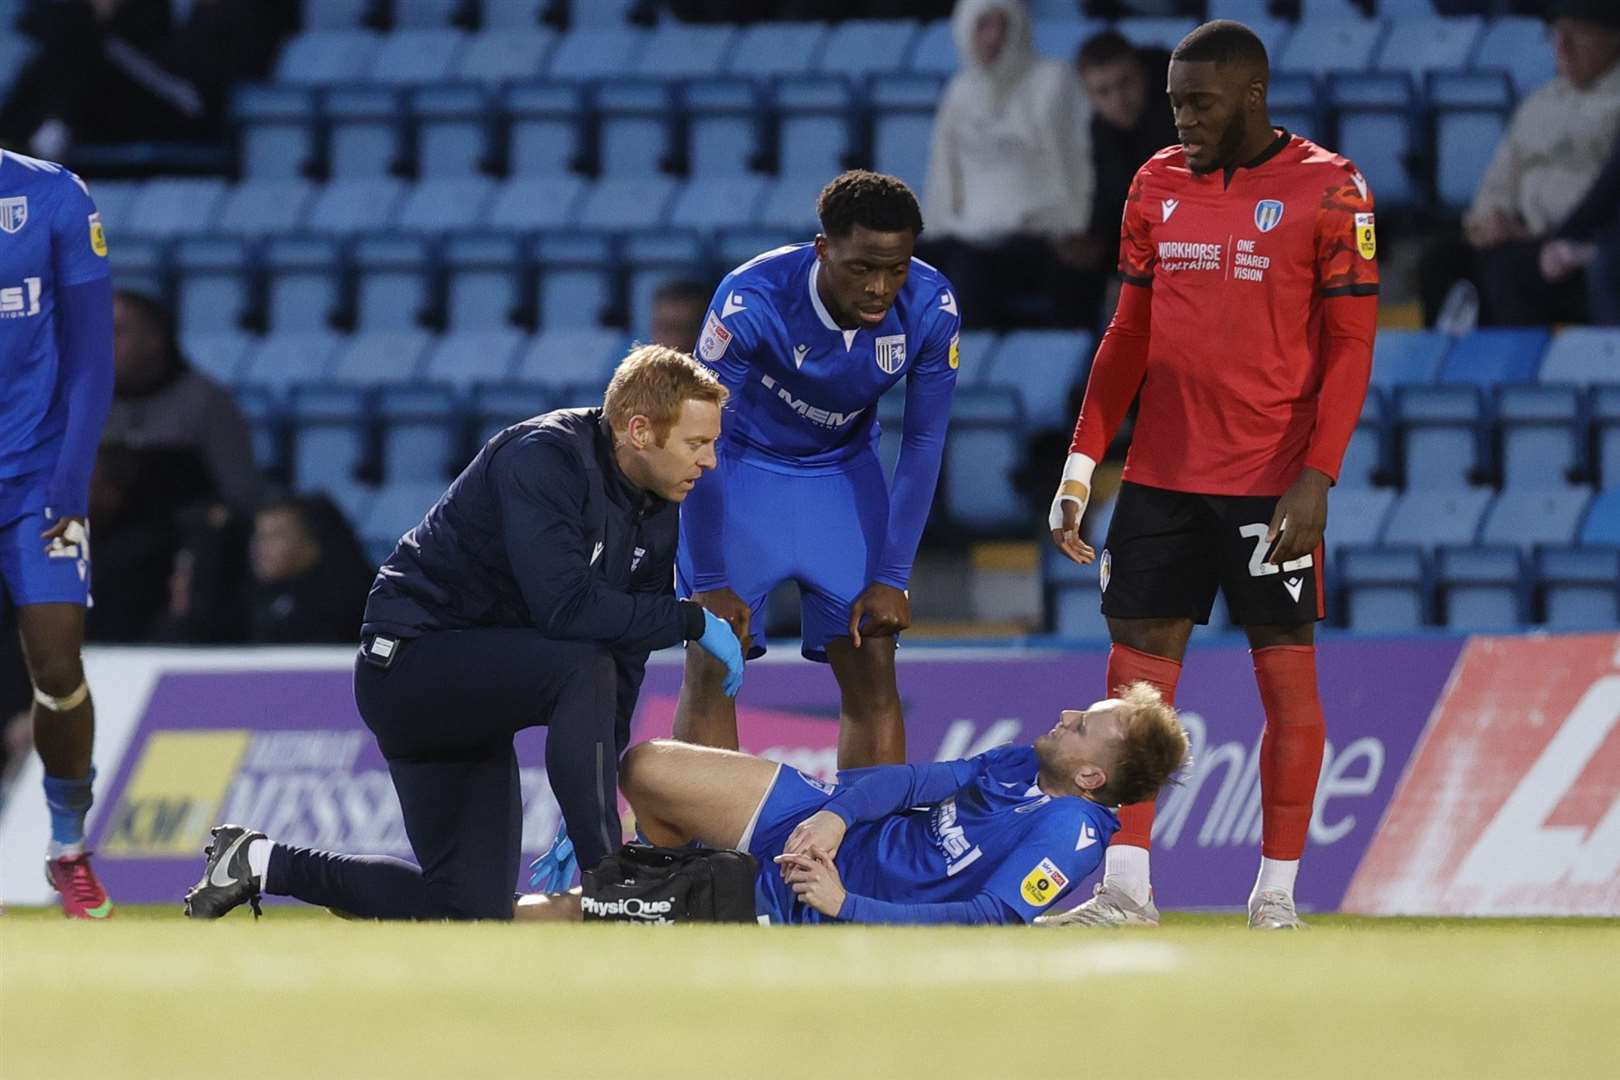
(305, 996)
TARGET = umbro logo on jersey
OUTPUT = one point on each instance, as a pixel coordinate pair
(733, 305)
(799, 353)
(1294, 585)
(1170, 207)
(13, 213)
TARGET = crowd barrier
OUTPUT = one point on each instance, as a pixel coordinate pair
(1475, 776)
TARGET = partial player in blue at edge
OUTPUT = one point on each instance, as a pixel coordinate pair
(56, 360)
(807, 338)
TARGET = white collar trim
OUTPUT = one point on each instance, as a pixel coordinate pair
(815, 299)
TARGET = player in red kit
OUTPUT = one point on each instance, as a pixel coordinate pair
(1246, 321)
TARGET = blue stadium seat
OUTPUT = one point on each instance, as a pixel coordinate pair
(485, 281)
(1519, 46)
(1580, 587)
(1492, 357)
(15, 52)
(331, 436)
(1273, 34)
(421, 431)
(378, 358)
(681, 51)
(903, 125)
(265, 207)
(733, 247)
(219, 354)
(1074, 597)
(287, 358)
(349, 206)
(596, 52)
(710, 203)
(268, 423)
(1161, 33)
(454, 136)
(1470, 116)
(1239, 10)
(504, 55)
(397, 509)
(167, 208)
(1060, 38)
(635, 128)
(1378, 130)
(1385, 588)
(1528, 517)
(1357, 515)
(1331, 10)
(393, 282)
(1482, 589)
(790, 205)
(1440, 431)
(777, 48)
(1431, 518)
(619, 203)
(441, 205)
(1042, 366)
(724, 127)
(814, 133)
(114, 199)
(304, 278)
(1583, 355)
(1331, 45)
(276, 130)
(1602, 524)
(336, 14)
(366, 135)
(983, 452)
(142, 265)
(650, 260)
(1605, 412)
(1407, 356)
(559, 358)
(426, 14)
(525, 204)
(1419, 45)
(545, 136)
(495, 406)
(934, 51)
(861, 47)
(323, 57)
(1543, 435)
(978, 351)
(891, 411)
(603, 12)
(213, 283)
(1364, 458)
(506, 15)
(415, 57)
(577, 284)
(464, 357)
(1295, 104)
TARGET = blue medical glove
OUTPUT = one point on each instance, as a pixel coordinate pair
(719, 642)
(554, 871)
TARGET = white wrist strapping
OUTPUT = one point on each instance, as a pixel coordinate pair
(1075, 487)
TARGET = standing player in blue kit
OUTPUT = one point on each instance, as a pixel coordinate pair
(807, 338)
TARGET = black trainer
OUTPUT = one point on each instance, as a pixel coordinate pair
(227, 882)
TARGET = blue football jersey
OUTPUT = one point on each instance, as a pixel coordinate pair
(999, 834)
(50, 238)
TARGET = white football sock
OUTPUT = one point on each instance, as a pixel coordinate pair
(1275, 874)
(259, 861)
(1125, 868)
(53, 850)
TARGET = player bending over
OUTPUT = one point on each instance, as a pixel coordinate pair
(997, 838)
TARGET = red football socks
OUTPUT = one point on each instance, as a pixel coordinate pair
(1291, 749)
(1125, 666)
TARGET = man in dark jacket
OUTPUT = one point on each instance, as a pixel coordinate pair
(530, 594)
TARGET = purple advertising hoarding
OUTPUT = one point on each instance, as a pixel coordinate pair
(284, 751)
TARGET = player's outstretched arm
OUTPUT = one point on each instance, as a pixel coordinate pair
(875, 792)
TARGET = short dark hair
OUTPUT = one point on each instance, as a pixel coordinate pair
(683, 290)
(1225, 42)
(871, 200)
(1107, 47)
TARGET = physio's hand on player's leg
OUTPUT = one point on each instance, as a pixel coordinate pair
(1065, 522)
(822, 831)
(720, 642)
(1304, 509)
(814, 879)
(886, 610)
(730, 607)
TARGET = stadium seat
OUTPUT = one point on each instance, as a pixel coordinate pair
(1384, 588)
(1407, 356)
(15, 52)
(635, 128)
(453, 134)
(421, 431)
(545, 134)
(350, 206)
(1492, 357)
(861, 47)
(114, 199)
(724, 127)
(1580, 587)
(1357, 515)
(336, 14)
(416, 57)
(1602, 524)
(268, 423)
(142, 265)
(393, 282)
(891, 411)
(213, 284)
(1482, 589)
(372, 359)
(790, 205)
(485, 282)
(710, 203)
(1470, 116)
(679, 51)
(504, 15)
(934, 51)
(733, 247)
(978, 349)
(219, 354)
(303, 284)
(983, 452)
(1419, 45)
(650, 259)
(768, 49)
(495, 406)
(903, 125)
(1273, 34)
(1060, 38)
(426, 14)
(1295, 104)
(441, 205)
(167, 208)
(596, 52)
(330, 429)
(287, 358)
(565, 358)
(1042, 366)
(814, 133)
(1519, 46)
(1156, 33)
(1583, 355)
(1321, 46)
(324, 57)
(618, 203)
(396, 510)
(1364, 458)
(464, 357)
(1528, 517)
(1430, 518)
(1543, 435)
(264, 207)
(1605, 412)
(578, 280)
(603, 12)
(276, 129)
(1378, 130)
(529, 203)
(1440, 432)
(366, 135)
(504, 55)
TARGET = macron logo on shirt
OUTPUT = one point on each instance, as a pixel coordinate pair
(733, 305)
(1170, 207)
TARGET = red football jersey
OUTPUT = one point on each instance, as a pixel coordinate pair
(1239, 266)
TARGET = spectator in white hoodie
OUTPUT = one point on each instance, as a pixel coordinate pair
(1010, 177)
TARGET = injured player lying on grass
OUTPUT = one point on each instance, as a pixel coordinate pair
(997, 838)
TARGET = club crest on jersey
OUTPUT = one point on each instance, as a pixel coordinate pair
(1105, 570)
(1267, 214)
(1042, 885)
(715, 340)
(13, 213)
(891, 353)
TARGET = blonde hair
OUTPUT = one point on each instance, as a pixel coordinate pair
(1152, 750)
(655, 381)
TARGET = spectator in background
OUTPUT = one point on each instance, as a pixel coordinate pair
(1589, 239)
(678, 307)
(1551, 156)
(1009, 175)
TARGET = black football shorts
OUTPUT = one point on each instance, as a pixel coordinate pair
(1168, 551)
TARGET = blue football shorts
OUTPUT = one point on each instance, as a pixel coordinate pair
(791, 798)
(28, 574)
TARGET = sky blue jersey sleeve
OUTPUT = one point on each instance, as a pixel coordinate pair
(84, 318)
(929, 388)
(1067, 848)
